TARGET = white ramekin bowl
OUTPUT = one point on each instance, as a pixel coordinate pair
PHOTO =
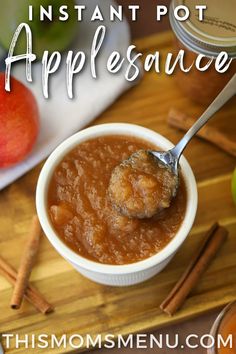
(116, 275)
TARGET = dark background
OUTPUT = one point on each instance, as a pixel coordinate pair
(146, 23)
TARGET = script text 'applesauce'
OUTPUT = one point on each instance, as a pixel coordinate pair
(127, 65)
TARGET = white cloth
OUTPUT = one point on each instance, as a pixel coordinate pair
(60, 116)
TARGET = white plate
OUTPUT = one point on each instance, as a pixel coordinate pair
(61, 117)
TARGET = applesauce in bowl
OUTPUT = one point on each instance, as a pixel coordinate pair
(139, 252)
(223, 332)
(83, 216)
(213, 35)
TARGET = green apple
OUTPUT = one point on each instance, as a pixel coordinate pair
(47, 35)
(234, 186)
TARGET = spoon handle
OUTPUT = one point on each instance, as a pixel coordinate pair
(228, 92)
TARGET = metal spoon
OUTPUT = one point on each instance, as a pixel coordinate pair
(124, 191)
(171, 158)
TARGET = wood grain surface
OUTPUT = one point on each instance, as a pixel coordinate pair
(85, 307)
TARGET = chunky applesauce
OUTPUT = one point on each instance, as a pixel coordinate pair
(83, 216)
(141, 186)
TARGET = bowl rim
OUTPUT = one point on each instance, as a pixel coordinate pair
(114, 129)
(218, 322)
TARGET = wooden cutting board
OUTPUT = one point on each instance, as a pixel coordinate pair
(82, 306)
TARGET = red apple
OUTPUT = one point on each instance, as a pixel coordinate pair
(19, 122)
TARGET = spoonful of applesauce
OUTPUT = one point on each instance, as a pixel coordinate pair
(147, 181)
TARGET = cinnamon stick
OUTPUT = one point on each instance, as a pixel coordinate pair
(31, 294)
(181, 121)
(212, 242)
(26, 264)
